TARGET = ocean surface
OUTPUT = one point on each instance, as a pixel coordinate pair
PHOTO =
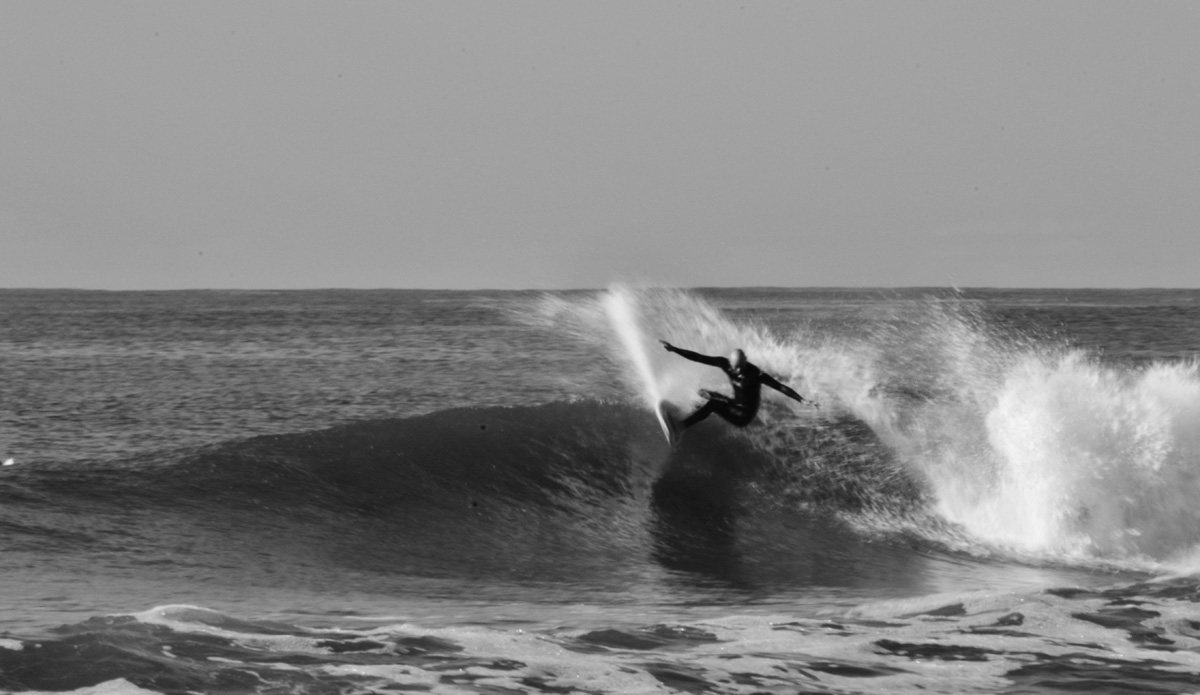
(468, 492)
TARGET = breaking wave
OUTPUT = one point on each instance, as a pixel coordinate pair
(1014, 443)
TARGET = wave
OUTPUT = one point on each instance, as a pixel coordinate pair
(579, 494)
(1016, 443)
(937, 428)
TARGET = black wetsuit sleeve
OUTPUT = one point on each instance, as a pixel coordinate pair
(771, 381)
(702, 359)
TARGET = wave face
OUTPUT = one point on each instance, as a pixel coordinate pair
(572, 497)
(1016, 442)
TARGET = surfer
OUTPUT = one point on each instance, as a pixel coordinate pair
(747, 381)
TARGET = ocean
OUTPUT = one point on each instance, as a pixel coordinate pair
(346, 491)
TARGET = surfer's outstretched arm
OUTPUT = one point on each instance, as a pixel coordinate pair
(695, 356)
(786, 390)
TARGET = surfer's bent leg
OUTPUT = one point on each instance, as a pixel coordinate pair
(717, 403)
(701, 413)
(736, 413)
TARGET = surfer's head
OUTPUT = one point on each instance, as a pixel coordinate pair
(737, 359)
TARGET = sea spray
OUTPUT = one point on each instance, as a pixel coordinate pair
(1023, 445)
(1092, 460)
(625, 325)
(1035, 448)
(823, 458)
(621, 315)
(636, 320)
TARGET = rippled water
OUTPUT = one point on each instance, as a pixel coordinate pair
(468, 491)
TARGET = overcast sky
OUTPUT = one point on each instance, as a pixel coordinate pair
(558, 144)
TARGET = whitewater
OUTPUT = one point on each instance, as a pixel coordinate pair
(353, 491)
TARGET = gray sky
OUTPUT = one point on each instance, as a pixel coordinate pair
(565, 144)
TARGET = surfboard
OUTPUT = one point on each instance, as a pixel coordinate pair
(668, 418)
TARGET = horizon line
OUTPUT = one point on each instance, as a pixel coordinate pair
(955, 288)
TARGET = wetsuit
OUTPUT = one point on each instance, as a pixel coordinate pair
(747, 383)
